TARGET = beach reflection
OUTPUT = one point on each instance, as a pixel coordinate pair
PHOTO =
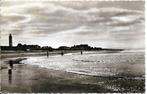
(10, 75)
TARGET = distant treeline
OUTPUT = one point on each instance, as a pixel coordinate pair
(24, 47)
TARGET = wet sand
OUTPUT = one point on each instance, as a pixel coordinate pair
(29, 79)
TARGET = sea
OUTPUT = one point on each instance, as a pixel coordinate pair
(130, 63)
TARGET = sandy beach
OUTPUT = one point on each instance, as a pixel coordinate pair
(28, 78)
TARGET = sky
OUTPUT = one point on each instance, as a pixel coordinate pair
(107, 24)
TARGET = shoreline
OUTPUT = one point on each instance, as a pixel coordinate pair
(44, 53)
(27, 78)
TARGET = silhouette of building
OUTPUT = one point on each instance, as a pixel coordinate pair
(81, 47)
(10, 41)
(27, 47)
(63, 48)
(47, 48)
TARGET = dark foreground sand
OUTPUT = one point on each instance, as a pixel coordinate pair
(28, 79)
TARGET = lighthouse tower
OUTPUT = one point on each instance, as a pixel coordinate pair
(10, 40)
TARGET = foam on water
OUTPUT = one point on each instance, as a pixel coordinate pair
(93, 63)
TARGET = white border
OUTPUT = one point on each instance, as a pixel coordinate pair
(72, 0)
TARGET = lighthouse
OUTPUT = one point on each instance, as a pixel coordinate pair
(10, 40)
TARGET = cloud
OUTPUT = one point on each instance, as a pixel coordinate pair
(96, 23)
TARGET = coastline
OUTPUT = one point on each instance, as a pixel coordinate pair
(27, 78)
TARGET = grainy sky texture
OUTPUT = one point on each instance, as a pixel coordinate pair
(108, 24)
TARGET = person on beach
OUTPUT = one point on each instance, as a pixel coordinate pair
(47, 54)
(62, 53)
